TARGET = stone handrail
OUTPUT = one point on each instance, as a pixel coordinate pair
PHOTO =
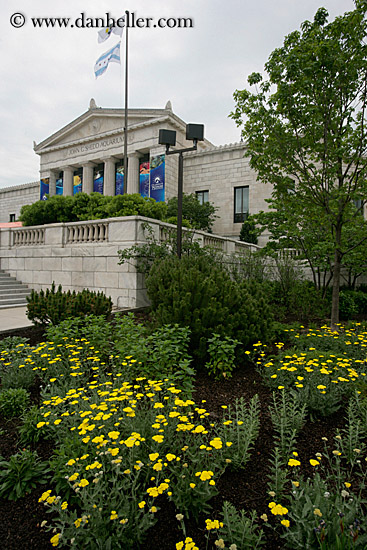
(90, 232)
(31, 236)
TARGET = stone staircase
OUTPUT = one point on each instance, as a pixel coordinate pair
(12, 292)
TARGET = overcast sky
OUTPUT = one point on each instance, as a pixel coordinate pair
(47, 74)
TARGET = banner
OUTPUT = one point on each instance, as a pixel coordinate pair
(98, 181)
(77, 184)
(119, 182)
(59, 186)
(44, 188)
(157, 179)
(144, 179)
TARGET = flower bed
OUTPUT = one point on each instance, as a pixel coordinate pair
(273, 457)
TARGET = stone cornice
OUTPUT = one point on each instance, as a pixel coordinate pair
(218, 149)
(20, 186)
(153, 116)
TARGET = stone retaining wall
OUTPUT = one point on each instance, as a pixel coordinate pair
(84, 255)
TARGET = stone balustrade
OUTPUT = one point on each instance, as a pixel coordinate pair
(90, 232)
(28, 237)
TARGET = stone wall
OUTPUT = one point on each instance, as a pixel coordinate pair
(13, 198)
(84, 255)
(219, 171)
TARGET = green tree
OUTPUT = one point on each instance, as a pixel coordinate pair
(305, 125)
(249, 232)
(200, 216)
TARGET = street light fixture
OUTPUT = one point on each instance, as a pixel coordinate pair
(194, 132)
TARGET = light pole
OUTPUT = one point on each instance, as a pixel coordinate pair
(194, 132)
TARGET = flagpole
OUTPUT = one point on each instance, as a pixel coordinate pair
(126, 100)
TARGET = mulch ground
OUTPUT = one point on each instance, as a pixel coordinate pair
(246, 489)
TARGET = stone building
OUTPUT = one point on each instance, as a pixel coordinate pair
(87, 155)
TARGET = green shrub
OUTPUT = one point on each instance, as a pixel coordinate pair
(12, 342)
(56, 209)
(28, 431)
(13, 402)
(54, 306)
(163, 353)
(94, 328)
(93, 206)
(17, 375)
(221, 351)
(195, 292)
(21, 473)
(347, 306)
(129, 336)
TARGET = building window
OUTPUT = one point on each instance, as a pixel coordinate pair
(240, 204)
(12, 218)
(359, 204)
(202, 196)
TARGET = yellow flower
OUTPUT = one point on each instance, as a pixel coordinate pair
(170, 457)
(83, 483)
(142, 504)
(314, 462)
(55, 540)
(285, 522)
(114, 515)
(114, 435)
(293, 462)
(153, 456)
(317, 512)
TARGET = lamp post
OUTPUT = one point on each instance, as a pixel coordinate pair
(194, 132)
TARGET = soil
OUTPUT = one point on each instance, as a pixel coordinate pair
(246, 489)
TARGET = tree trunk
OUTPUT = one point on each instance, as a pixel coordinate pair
(336, 284)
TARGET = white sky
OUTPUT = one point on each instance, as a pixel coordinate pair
(47, 74)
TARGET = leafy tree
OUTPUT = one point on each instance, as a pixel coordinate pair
(200, 216)
(306, 126)
(249, 233)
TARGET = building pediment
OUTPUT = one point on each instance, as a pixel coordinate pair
(98, 123)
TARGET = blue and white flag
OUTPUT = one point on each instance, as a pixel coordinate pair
(112, 55)
(106, 32)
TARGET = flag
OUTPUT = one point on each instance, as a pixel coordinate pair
(106, 32)
(102, 63)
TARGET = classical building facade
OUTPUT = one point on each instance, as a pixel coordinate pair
(87, 155)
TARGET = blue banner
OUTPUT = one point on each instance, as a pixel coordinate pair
(59, 186)
(77, 184)
(44, 188)
(157, 177)
(119, 182)
(144, 179)
(98, 182)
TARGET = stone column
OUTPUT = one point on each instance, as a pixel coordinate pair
(68, 175)
(133, 174)
(109, 178)
(52, 180)
(87, 184)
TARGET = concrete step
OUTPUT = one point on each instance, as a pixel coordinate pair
(14, 290)
(11, 301)
(12, 284)
(6, 277)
